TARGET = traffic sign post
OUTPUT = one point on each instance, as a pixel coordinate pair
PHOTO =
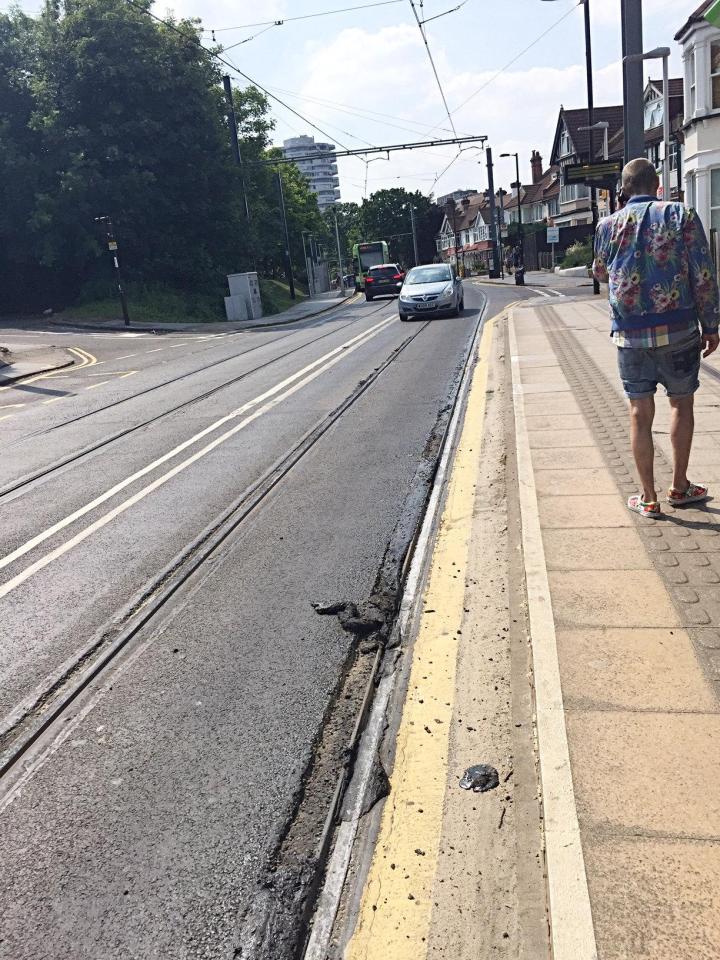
(602, 175)
(113, 248)
(553, 237)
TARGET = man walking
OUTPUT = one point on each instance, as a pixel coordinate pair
(665, 309)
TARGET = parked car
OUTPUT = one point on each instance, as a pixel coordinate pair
(384, 280)
(432, 289)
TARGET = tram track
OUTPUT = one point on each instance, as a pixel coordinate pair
(30, 727)
(23, 482)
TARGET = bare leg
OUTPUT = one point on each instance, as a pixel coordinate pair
(682, 425)
(642, 413)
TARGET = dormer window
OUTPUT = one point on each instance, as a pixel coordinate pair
(565, 147)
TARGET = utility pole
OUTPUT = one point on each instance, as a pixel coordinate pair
(113, 248)
(288, 258)
(495, 272)
(414, 234)
(235, 143)
(520, 270)
(340, 263)
(591, 125)
(632, 46)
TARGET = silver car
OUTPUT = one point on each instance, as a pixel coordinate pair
(431, 290)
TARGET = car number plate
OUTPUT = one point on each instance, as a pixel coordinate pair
(425, 306)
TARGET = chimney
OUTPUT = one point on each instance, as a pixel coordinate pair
(536, 166)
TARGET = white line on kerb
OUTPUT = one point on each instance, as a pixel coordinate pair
(269, 399)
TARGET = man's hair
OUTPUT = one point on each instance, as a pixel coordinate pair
(639, 178)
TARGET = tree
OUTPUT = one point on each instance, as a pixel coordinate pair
(105, 112)
(385, 215)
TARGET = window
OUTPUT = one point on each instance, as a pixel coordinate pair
(715, 199)
(693, 89)
(690, 189)
(574, 192)
(674, 154)
(565, 147)
(553, 207)
(715, 73)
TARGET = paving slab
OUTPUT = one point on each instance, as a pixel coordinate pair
(635, 610)
(632, 669)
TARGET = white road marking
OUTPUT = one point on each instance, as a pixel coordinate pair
(126, 356)
(156, 350)
(93, 385)
(269, 399)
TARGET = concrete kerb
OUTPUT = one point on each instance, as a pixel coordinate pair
(571, 924)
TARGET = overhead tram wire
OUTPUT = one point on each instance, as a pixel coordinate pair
(502, 69)
(306, 16)
(434, 68)
(193, 38)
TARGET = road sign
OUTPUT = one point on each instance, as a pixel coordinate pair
(604, 173)
(553, 234)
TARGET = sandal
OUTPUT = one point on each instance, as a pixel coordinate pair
(646, 508)
(695, 493)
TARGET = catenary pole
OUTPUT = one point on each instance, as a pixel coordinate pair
(497, 257)
(288, 258)
(235, 143)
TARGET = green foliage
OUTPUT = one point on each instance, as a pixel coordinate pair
(105, 112)
(147, 303)
(579, 254)
(276, 296)
(385, 215)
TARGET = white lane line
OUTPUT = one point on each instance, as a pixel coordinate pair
(556, 292)
(572, 933)
(6, 406)
(541, 292)
(54, 399)
(94, 385)
(270, 398)
(126, 356)
(156, 350)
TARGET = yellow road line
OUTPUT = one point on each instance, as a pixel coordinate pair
(395, 913)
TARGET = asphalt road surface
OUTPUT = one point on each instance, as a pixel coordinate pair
(166, 686)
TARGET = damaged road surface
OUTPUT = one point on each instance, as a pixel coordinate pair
(172, 804)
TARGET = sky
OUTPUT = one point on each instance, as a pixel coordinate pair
(364, 77)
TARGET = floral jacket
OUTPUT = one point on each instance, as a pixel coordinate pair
(656, 259)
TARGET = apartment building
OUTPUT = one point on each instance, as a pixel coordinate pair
(319, 165)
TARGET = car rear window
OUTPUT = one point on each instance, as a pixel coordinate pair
(428, 275)
(384, 271)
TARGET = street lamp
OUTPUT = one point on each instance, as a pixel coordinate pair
(591, 120)
(660, 53)
(308, 263)
(520, 271)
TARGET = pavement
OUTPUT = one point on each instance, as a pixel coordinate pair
(576, 648)
(28, 361)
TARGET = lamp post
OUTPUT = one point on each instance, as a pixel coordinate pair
(591, 121)
(660, 53)
(520, 271)
(308, 263)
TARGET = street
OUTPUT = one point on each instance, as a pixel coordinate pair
(174, 709)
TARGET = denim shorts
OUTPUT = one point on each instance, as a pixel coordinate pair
(676, 367)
